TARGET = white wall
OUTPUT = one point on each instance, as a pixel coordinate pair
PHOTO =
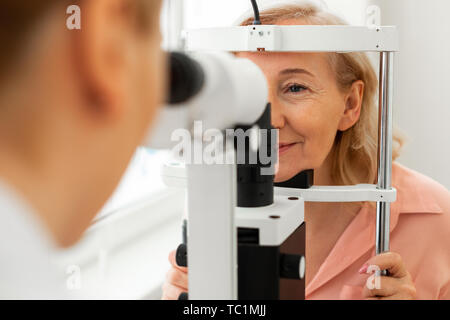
(422, 87)
(213, 13)
(353, 11)
(209, 13)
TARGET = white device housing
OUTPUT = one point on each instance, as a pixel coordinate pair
(235, 91)
(310, 38)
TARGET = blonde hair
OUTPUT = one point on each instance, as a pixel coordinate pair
(354, 153)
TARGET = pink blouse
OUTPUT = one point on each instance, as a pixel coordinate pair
(420, 233)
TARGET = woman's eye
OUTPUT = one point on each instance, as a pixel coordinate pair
(296, 88)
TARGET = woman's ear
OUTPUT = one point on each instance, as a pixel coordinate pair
(353, 103)
(101, 53)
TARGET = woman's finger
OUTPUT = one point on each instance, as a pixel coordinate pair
(380, 286)
(390, 261)
(399, 296)
(173, 262)
(178, 278)
(171, 292)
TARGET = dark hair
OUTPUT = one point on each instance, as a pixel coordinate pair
(17, 18)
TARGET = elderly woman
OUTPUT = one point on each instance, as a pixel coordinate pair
(324, 107)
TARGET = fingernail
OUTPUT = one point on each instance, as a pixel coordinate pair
(183, 296)
(181, 255)
(364, 268)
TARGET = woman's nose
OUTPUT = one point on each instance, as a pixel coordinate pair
(278, 119)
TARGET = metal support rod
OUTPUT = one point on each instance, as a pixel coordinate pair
(384, 148)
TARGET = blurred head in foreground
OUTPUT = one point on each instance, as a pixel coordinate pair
(75, 103)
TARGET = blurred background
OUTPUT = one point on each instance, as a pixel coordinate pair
(124, 254)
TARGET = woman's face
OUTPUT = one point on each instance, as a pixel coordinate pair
(307, 107)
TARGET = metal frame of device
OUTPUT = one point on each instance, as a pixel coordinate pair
(212, 188)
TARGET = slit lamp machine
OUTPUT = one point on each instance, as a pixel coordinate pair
(244, 237)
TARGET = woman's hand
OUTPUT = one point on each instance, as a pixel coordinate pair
(176, 280)
(398, 285)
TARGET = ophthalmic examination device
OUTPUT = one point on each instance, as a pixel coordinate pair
(245, 236)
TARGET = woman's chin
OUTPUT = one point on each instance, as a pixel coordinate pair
(286, 172)
(284, 176)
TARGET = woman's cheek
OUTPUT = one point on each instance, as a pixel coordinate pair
(318, 141)
(324, 141)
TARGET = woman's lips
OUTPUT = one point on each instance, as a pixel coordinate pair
(284, 147)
